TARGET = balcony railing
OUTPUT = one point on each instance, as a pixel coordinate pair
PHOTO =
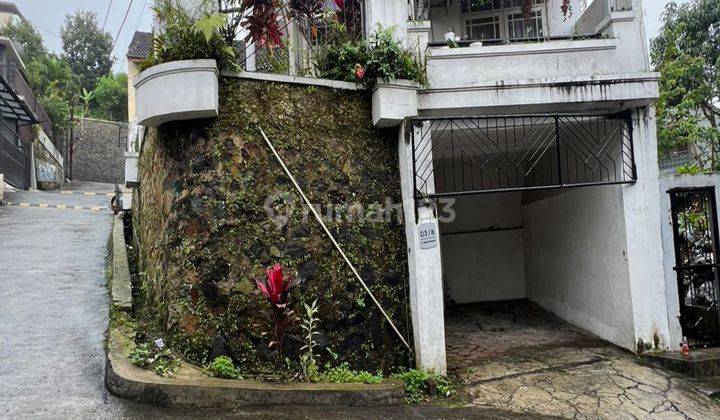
(297, 53)
(476, 155)
(17, 82)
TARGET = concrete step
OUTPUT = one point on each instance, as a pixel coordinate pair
(703, 363)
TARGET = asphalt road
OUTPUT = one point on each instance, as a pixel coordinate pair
(54, 315)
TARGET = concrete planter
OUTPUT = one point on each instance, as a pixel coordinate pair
(393, 101)
(131, 169)
(178, 90)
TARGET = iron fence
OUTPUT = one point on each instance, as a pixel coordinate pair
(474, 155)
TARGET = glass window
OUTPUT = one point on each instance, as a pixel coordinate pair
(483, 27)
(520, 27)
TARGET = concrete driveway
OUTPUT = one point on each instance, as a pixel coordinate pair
(515, 356)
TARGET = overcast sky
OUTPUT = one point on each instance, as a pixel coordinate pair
(48, 16)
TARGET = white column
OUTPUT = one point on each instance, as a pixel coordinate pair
(250, 63)
(425, 267)
(293, 49)
(386, 13)
(641, 205)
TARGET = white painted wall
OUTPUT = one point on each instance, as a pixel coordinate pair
(488, 265)
(425, 271)
(644, 242)
(484, 267)
(575, 260)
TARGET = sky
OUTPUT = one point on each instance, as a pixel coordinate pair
(48, 16)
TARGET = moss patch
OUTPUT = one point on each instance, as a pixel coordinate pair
(205, 234)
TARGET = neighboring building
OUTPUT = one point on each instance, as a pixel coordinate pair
(9, 12)
(139, 50)
(542, 132)
(30, 155)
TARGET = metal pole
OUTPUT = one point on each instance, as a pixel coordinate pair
(332, 238)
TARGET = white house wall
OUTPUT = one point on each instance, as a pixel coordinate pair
(483, 249)
(575, 261)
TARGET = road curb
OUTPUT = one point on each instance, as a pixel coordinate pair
(190, 388)
(128, 381)
(121, 285)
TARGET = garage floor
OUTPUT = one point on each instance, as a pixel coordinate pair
(517, 356)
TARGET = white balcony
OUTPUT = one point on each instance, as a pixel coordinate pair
(508, 63)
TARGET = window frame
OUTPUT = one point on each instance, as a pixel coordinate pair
(504, 15)
(497, 21)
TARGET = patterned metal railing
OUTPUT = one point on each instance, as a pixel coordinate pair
(473, 155)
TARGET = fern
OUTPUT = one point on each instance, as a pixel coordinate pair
(209, 25)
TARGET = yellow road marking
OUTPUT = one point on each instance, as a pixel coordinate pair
(88, 193)
(24, 204)
(66, 192)
(78, 207)
(61, 206)
(42, 205)
(96, 208)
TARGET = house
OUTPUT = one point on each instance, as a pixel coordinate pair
(30, 155)
(529, 167)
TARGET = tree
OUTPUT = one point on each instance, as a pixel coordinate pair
(110, 97)
(27, 38)
(687, 53)
(49, 77)
(86, 48)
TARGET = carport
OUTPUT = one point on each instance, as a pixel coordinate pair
(530, 207)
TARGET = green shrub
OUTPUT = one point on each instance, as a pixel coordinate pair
(185, 38)
(344, 375)
(223, 367)
(160, 360)
(365, 61)
(419, 383)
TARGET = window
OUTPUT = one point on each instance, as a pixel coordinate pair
(483, 27)
(498, 19)
(520, 27)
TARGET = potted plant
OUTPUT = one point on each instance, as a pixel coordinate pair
(392, 71)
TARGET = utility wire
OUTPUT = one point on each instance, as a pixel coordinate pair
(121, 25)
(106, 15)
(332, 238)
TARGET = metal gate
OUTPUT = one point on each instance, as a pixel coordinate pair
(694, 217)
(14, 159)
(476, 155)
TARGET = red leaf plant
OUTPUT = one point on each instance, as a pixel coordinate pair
(276, 287)
(263, 24)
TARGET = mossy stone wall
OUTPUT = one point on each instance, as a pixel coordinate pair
(205, 234)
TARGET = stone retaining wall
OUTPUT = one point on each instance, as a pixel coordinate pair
(99, 150)
(205, 233)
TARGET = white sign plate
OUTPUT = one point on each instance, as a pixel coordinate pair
(428, 235)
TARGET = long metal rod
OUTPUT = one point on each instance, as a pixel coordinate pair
(332, 238)
(538, 188)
